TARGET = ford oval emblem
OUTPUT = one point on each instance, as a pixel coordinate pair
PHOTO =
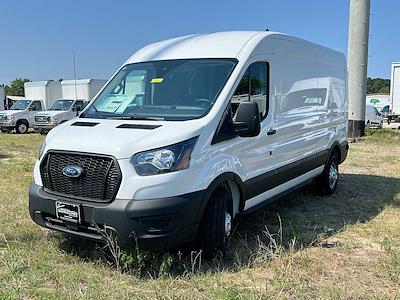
(72, 171)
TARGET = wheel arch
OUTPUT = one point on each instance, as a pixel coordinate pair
(235, 185)
(22, 121)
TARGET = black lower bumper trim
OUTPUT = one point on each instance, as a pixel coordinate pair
(156, 223)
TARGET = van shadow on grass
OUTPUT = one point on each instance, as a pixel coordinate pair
(302, 215)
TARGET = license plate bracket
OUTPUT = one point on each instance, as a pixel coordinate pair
(68, 212)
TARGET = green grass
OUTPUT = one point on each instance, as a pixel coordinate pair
(303, 246)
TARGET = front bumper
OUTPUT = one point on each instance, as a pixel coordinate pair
(40, 127)
(7, 124)
(157, 223)
(43, 128)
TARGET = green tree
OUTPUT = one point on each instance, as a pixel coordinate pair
(378, 85)
(16, 87)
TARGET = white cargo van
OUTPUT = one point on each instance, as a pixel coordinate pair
(192, 132)
(39, 96)
(373, 118)
(58, 113)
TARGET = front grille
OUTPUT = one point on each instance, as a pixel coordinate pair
(42, 119)
(99, 181)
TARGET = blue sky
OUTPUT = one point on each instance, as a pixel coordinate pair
(38, 37)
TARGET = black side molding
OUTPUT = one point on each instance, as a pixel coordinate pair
(84, 124)
(139, 126)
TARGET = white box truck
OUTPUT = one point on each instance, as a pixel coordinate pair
(38, 96)
(222, 124)
(394, 108)
(83, 89)
(61, 111)
(75, 96)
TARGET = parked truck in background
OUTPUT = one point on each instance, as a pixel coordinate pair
(38, 97)
(60, 112)
(82, 90)
(394, 108)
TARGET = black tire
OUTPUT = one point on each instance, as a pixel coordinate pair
(326, 183)
(213, 236)
(22, 127)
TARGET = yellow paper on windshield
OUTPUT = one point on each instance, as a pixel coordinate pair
(157, 80)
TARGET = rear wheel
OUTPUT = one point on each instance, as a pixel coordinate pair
(327, 181)
(22, 127)
(217, 223)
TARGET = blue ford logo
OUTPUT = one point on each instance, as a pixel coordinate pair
(72, 171)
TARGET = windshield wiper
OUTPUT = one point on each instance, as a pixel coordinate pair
(136, 117)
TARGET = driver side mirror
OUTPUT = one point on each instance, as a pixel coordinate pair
(246, 121)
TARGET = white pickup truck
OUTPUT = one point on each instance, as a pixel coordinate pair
(60, 112)
(20, 116)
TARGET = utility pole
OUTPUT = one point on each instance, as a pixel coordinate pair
(357, 63)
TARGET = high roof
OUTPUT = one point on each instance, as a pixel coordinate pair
(229, 44)
(211, 45)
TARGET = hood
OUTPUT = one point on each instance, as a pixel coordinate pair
(50, 113)
(10, 112)
(103, 137)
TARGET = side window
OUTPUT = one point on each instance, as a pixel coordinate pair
(78, 105)
(253, 87)
(303, 98)
(336, 98)
(36, 105)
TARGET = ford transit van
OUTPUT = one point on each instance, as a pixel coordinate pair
(190, 133)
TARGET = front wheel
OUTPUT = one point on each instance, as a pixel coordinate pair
(327, 181)
(217, 223)
(22, 128)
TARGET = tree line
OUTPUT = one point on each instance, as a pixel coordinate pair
(16, 87)
(378, 86)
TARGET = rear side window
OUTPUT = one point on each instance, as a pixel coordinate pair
(336, 98)
(253, 87)
(302, 99)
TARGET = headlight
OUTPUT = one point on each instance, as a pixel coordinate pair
(41, 150)
(164, 160)
(55, 119)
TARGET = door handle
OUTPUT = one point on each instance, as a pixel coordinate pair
(271, 131)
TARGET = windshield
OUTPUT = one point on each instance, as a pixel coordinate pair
(163, 90)
(20, 105)
(61, 105)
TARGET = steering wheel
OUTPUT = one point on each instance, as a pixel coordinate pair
(203, 103)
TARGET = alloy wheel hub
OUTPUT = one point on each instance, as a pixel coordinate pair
(333, 175)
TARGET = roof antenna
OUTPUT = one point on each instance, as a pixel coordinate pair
(73, 58)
